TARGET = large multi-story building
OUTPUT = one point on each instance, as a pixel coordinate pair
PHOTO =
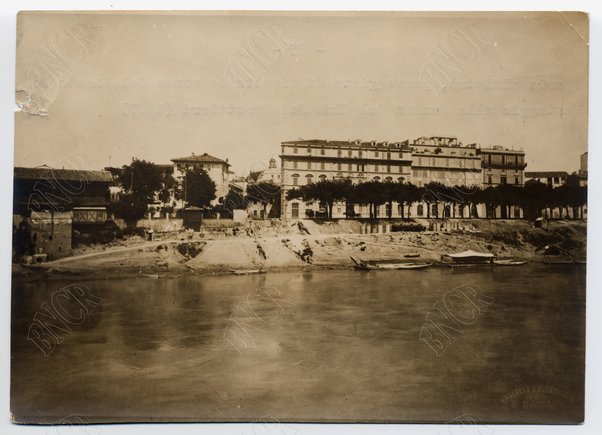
(502, 166)
(441, 159)
(307, 161)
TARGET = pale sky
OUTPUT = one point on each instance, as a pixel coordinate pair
(153, 86)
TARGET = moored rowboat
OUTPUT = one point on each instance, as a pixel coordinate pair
(509, 262)
(469, 258)
(247, 271)
(385, 265)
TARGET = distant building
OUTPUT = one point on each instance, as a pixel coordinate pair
(502, 166)
(217, 169)
(550, 178)
(583, 164)
(307, 161)
(582, 173)
(271, 174)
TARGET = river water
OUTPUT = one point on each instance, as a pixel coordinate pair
(333, 345)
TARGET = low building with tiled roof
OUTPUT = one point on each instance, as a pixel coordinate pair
(551, 178)
(200, 159)
(59, 208)
(46, 188)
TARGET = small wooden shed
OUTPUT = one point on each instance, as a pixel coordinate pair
(193, 217)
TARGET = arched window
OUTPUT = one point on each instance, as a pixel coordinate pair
(322, 177)
(389, 179)
(401, 179)
(309, 179)
(377, 178)
(420, 210)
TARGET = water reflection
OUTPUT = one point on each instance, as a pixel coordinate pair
(328, 345)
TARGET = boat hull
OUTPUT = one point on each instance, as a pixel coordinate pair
(364, 265)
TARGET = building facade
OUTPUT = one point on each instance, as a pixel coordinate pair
(440, 159)
(502, 166)
(217, 169)
(57, 204)
(445, 160)
(271, 174)
(307, 161)
(550, 178)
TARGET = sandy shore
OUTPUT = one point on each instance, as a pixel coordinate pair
(279, 246)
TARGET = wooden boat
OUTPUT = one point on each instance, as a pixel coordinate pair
(246, 271)
(509, 262)
(469, 258)
(150, 275)
(387, 265)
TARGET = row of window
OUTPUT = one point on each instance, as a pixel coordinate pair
(446, 162)
(189, 166)
(350, 153)
(504, 159)
(359, 167)
(309, 178)
(503, 180)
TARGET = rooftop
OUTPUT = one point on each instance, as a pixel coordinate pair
(48, 173)
(357, 143)
(498, 149)
(546, 174)
(202, 158)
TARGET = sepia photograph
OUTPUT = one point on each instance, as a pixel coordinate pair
(299, 217)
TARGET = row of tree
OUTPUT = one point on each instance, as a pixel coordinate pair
(144, 183)
(534, 197)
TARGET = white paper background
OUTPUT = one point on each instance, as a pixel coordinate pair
(593, 410)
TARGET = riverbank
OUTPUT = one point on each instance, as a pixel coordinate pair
(281, 246)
